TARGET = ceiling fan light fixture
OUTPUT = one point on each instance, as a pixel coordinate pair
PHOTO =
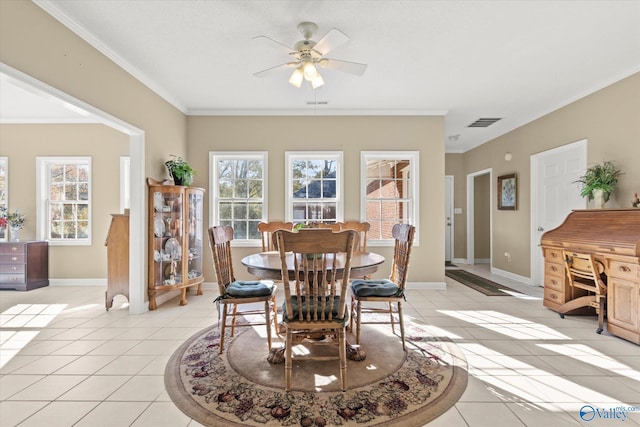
(317, 81)
(296, 77)
(310, 71)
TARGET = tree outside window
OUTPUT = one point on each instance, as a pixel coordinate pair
(65, 200)
(239, 192)
(314, 187)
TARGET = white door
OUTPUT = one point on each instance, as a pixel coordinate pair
(448, 215)
(554, 194)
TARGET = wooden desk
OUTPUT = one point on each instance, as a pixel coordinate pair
(266, 265)
(613, 237)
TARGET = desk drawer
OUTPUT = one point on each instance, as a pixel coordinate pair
(623, 270)
(12, 278)
(12, 258)
(554, 282)
(553, 269)
(553, 255)
(554, 296)
(12, 248)
(12, 268)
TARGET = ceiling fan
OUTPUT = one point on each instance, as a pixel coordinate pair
(310, 54)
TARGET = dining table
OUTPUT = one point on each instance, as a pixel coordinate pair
(266, 265)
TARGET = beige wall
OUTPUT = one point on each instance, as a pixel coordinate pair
(610, 121)
(350, 135)
(482, 218)
(36, 44)
(23, 143)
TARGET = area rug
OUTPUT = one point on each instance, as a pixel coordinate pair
(390, 387)
(480, 284)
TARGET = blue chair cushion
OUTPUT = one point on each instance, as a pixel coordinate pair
(299, 303)
(248, 289)
(375, 288)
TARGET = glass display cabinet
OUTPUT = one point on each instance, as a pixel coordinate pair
(175, 240)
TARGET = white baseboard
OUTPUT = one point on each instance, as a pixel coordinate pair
(512, 276)
(428, 286)
(483, 260)
(78, 282)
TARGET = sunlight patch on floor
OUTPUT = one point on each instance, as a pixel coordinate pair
(526, 382)
(23, 316)
(593, 357)
(507, 325)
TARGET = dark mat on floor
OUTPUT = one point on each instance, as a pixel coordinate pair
(480, 284)
(449, 264)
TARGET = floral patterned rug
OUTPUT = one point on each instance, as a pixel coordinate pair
(389, 387)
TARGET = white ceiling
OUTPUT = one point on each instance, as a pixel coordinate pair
(515, 60)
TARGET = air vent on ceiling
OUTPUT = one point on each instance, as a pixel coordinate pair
(483, 123)
(317, 102)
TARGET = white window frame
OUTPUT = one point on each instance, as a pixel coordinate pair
(42, 197)
(4, 169)
(291, 156)
(214, 156)
(414, 181)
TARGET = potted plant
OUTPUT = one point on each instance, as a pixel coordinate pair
(599, 181)
(180, 171)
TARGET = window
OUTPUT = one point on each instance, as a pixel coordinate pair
(314, 187)
(389, 192)
(4, 182)
(64, 200)
(239, 193)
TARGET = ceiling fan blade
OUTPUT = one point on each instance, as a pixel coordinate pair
(345, 66)
(333, 39)
(288, 48)
(269, 71)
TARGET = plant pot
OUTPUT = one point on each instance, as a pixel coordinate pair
(599, 198)
(185, 180)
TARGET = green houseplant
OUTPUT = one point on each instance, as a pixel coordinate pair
(180, 171)
(599, 179)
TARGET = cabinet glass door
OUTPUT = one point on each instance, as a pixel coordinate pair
(194, 233)
(167, 238)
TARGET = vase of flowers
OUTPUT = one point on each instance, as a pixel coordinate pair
(16, 222)
(3, 224)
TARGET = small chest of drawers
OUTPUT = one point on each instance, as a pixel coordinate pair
(24, 265)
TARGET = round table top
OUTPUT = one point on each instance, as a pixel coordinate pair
(266, 265)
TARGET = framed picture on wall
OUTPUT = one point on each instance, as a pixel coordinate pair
(507, 192)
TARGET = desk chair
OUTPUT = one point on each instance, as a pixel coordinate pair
(387, 291)
(267, 229)
(234, 293)
(315, 300)
(585, 274)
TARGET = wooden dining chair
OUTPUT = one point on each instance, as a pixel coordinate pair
(333, 226)
(362, 228)
(387, 291)
(315, 297)
(588, 287)
(267, 229)
(235, 293)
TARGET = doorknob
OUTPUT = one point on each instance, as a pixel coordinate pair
(540, 229)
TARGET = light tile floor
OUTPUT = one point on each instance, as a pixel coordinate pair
(65, 361)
